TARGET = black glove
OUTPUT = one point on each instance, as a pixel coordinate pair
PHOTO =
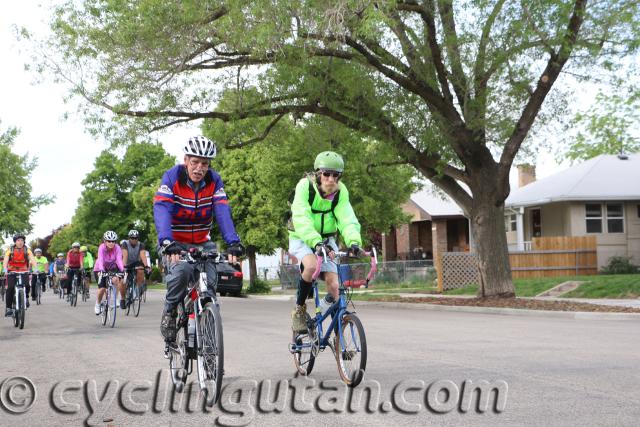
(355, 250)
(169, 247)
(236, 249)
(324, 244)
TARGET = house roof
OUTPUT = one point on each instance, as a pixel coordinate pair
(435, 205)
(606, 177)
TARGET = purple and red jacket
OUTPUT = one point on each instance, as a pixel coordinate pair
(185, 215)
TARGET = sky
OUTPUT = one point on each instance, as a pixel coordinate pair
(64, 150)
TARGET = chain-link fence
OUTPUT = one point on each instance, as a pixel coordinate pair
(390, 272)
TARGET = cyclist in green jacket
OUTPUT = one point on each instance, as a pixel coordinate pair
(319, 211)
(87, 264)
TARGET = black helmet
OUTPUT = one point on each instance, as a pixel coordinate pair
(19, 236)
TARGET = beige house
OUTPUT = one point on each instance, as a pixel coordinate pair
(599, 197)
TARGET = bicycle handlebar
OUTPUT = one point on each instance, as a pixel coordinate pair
(322, 257)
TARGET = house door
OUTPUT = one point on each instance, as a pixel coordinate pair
(536, 223)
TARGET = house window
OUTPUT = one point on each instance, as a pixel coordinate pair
(512, 222)
(638, 211)
(615, 218)
(594, 218)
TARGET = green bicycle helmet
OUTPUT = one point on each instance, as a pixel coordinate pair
(329, 160)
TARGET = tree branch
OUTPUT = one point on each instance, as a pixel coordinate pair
(548, 77)
(459, 79)
(266, 132)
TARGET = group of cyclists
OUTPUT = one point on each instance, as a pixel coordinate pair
(79, 263)
(190, 197)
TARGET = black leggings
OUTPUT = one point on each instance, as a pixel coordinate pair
(11, 287)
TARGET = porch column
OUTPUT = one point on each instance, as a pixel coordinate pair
(438, 237)
(520, 229)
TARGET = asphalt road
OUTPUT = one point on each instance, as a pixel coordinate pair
(548, 371)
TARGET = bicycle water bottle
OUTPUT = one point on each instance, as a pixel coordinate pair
(191, 330)
(325, 303)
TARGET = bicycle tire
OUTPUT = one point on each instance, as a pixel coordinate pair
(127, 299)
(104, 310)
(179, 359)
(137, 301)
(210, 352)
(85, 297)
(74, 292)
(21, 310)
(350, 349)
(303, 357)
(38, 290)
(113, 308)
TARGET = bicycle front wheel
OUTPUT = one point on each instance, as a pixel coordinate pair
(350, 348)
(38, 291)
(113, 308)
(210, 352)
(21, 310)
(137, 300)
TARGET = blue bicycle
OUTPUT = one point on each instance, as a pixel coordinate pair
(344, 335)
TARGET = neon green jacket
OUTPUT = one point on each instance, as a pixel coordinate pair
(41, 265)
(88, 261)
(308, 225)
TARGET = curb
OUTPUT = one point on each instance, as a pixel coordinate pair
(579, 315)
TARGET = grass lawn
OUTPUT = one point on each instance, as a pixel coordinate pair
(597, 286)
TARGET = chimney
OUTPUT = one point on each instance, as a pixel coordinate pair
(526, 174)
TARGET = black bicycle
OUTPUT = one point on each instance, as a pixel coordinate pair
(37, 288)
(77, 286)
(199, 328)
(3, 286)
(132, 296)
(20, 298)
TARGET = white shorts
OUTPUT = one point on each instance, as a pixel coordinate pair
(299, 249)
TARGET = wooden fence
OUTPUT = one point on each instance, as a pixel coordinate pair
(549, 256)
(556, 256)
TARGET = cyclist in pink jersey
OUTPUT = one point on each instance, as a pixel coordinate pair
(109, 260)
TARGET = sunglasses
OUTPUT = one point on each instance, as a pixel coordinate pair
(110, 241)
(327, 174)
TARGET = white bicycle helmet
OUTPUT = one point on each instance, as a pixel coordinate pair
(110, 236)
(75, 245)
(200, 146)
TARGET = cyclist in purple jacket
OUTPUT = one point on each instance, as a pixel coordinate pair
(109, 259)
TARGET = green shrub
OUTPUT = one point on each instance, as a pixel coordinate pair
(155, 274)
(259, 287)
(619, 265)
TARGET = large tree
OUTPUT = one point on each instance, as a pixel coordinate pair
(117, 196)
(17, 203)
(260, 178)
(455, 87)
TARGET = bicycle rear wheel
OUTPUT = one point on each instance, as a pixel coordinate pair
(179, 359)
(350, 348)
(302, 349)
(210, 352)
(104, 310)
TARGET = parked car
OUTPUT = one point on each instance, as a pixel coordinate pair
(229, 279)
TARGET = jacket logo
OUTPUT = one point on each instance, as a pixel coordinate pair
(165, 189)
(220, 193)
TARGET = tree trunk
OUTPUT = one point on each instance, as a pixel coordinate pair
(253, 270)
(487, 219)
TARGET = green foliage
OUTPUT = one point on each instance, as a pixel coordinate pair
(155, 275)
(118, 195)
(259, 287)
(619, 265)
(611, 126)
(17, 202)
(259, 178)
